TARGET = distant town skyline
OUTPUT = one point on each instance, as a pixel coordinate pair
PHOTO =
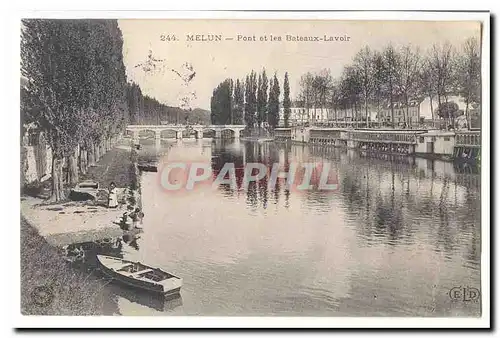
(177, 43)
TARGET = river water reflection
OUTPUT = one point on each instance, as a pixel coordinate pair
(391, 241)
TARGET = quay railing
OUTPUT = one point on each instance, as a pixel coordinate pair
(282, 134)
(409, 137)
(328, 134)
(468, 139)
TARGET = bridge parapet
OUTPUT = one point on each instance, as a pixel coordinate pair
(197, 128)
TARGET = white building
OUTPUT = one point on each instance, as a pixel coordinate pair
(297, 114)
(402, 113)
(425, 105)
(300, 115)
(418, 109)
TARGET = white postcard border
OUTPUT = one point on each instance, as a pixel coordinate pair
(282, 322)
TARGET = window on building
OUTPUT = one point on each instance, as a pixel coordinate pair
(421, 139)
(446, 138)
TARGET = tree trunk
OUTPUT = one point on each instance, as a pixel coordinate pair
(97, 153)
(57, 179)
(102, 148)
(73, 168)
(432, 110)
(467, 117)
(366, 112)
(353, 112)
(439, 106)
(24, 165)
(356, 110)
(392, 105)
(91, 156)
(407, 118)
(83, 161)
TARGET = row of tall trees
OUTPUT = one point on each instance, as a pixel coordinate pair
(254, 102)
(144, 109)
(222, 104)
(75, 89)
(378, 78)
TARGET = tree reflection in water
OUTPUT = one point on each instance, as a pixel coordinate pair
(392, 196)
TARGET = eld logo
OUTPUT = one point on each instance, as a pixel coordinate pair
(464, 294)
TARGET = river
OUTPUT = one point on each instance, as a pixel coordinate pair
(393, 240)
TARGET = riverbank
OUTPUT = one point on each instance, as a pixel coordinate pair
(49, 286)
(78, 221)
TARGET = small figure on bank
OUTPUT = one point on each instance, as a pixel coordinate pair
(137, 217)
(124, 223)
(113, 196)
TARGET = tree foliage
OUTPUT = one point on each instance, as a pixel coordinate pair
(274, 102)
(262, 95)
(222, 103)
(286, 101)
(469, 74)
(75, 90)
(251, 100)
(396, 75)
(448, 110)
(239, 102)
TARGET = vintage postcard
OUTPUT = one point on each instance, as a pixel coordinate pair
(249, 169)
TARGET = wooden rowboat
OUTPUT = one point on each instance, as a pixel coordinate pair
(139, 275)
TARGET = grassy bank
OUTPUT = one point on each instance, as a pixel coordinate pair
(68, 291)
(114, 166)
(119, 165)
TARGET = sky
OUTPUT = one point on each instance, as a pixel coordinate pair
(213, 61)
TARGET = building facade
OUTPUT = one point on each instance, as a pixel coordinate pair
(36, 156)
(299, 115)
(402, 113)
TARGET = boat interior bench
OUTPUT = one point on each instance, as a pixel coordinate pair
(124, 267)
(141, 272)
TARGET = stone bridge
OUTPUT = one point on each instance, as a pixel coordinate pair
(179, 129)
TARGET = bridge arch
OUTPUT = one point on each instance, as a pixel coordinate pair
(147, 133)
(228, 133)
(209, 132)
(168, 133)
